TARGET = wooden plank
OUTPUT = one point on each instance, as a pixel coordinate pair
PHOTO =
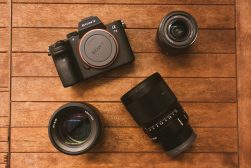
(4, 39)
(4, 12)
(126, 140)
(3, 158)
(107, 89)
(141, 40)
(244, 81)
(130, 160)
(4, 147)
(3, 134)
(3, 165)
(187, 160)
(4, 104)
(4, 72)
(153, 2)
(213, 16)
(4, 121)
(192, 65)
(28, 114)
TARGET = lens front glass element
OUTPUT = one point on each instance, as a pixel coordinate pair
(179, 30)
(76, 128)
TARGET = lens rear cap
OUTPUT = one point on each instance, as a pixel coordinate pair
(98, 48)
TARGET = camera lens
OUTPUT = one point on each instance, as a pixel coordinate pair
(177, 32)
(154, 107)
(75, 128)
(98, 48)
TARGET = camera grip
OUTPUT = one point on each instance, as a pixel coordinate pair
(67, 69)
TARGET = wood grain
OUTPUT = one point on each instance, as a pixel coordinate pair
(141, 40)
(130, 160)
(3, 158)
(3, 134)
(4, 147)
(244, 81)
(28, 114)
(4, 73)
(4, 121)
(4, 15)
(3, 165)
(107, 89)
(213, 16)
(4, 104)
(126, 140)
(4, 38)
(152, 2)
(191, 65)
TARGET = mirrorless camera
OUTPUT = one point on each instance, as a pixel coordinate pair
(93, 49)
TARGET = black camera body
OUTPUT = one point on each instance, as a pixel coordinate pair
(94, 49)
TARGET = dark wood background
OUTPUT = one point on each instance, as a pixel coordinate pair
(212, 82)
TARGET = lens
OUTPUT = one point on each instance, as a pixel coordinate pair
(177, 32)
(75, 128)
(154, 107)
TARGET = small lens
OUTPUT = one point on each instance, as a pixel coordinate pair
(179, 30)
(76, 128)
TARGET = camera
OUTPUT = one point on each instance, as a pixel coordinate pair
(94, 49)
(154, 107)
(177, 32)
(75, 128)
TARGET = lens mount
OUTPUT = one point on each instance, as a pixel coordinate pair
(98, 48)
(75, 128)
(177, 30)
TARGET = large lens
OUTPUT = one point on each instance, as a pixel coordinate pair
(177, 32)
(75, 128)
(155, 107)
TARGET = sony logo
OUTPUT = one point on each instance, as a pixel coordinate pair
(88, 23)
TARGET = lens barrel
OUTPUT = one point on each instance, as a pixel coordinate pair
(177, 32)
(154, 107)
(75, 128)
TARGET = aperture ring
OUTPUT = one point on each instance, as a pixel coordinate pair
(173, 118)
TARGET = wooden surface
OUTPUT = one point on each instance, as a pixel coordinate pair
(4, 81)
(212, 82)
(244, 82)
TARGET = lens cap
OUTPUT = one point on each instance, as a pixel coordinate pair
(98, 48)
(75, 128)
